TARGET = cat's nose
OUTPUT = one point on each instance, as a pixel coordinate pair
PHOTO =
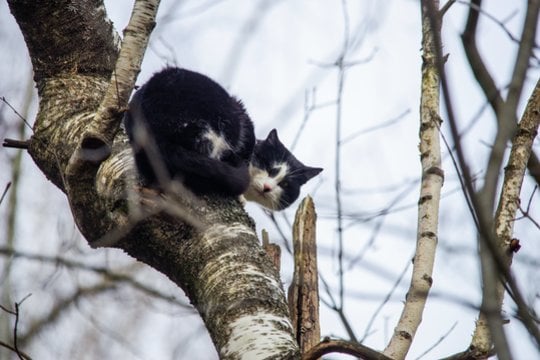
(267, 188)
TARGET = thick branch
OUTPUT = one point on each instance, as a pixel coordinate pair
(510, 196)
(85, 42)
(219, 264)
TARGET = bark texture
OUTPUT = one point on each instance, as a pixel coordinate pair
(78, 145)
(430, 193)
(304, 289)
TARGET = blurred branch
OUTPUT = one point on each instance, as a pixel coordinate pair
(376, 127)
(13, 204)
(310, 105)
(384, 302)
(475, 5)
(23, 118)
(441, 339)
(533, 165)
(489, 325)
(337, 180)
(6, 189)
(246, 33)
(525, 212)
(104, 271)
(21, 354)
(495, 263)
(61, 306)
(430, 189)
(15, 313)
(339, 311)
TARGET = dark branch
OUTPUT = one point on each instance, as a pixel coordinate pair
(18, 144)
(343, 347)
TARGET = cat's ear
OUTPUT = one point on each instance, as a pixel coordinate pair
(272, 137)
(310, 172)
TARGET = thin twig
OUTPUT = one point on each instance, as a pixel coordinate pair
(376, 127)
(8, 185)
(384, 302)
(16, 113)
(441, 339)
(19, 353)
(104, 271)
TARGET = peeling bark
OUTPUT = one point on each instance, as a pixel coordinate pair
(304, 289)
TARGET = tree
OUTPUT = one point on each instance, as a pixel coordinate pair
(84, 81)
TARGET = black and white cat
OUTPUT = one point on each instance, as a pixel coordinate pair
(183, 125)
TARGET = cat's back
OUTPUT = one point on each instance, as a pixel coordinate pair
(185, 93)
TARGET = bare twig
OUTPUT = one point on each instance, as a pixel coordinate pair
(337, 180)
(18, 352)
(16, 112)
(525, 212)
(376, 127)
(6, 189)
(16, 313)
(339, 311)
(477, 8)
(384, 302)
(441, 339)
(104, 271)
(59, 308)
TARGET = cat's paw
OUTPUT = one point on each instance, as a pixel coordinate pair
(242, 200)
(149, 198)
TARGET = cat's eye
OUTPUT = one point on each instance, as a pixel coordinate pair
(283, 183)
(273, 172)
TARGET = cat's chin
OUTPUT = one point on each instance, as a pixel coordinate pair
(261, 198)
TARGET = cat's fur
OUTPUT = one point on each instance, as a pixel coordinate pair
(183, 125)
(276, 175)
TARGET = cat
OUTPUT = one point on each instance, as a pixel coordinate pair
(183, 125)
(275, 174)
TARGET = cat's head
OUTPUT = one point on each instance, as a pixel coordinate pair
(276, 175)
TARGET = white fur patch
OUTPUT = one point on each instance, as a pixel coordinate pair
(260, 178)
(219, 144)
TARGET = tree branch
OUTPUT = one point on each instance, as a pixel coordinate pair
(343, 347)
(304, 289)
(220, 266)
(430, 191)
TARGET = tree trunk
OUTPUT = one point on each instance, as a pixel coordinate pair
(208, 246)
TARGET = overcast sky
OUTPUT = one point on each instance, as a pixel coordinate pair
(274, 55)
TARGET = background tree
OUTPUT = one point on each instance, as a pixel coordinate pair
(85, 280)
